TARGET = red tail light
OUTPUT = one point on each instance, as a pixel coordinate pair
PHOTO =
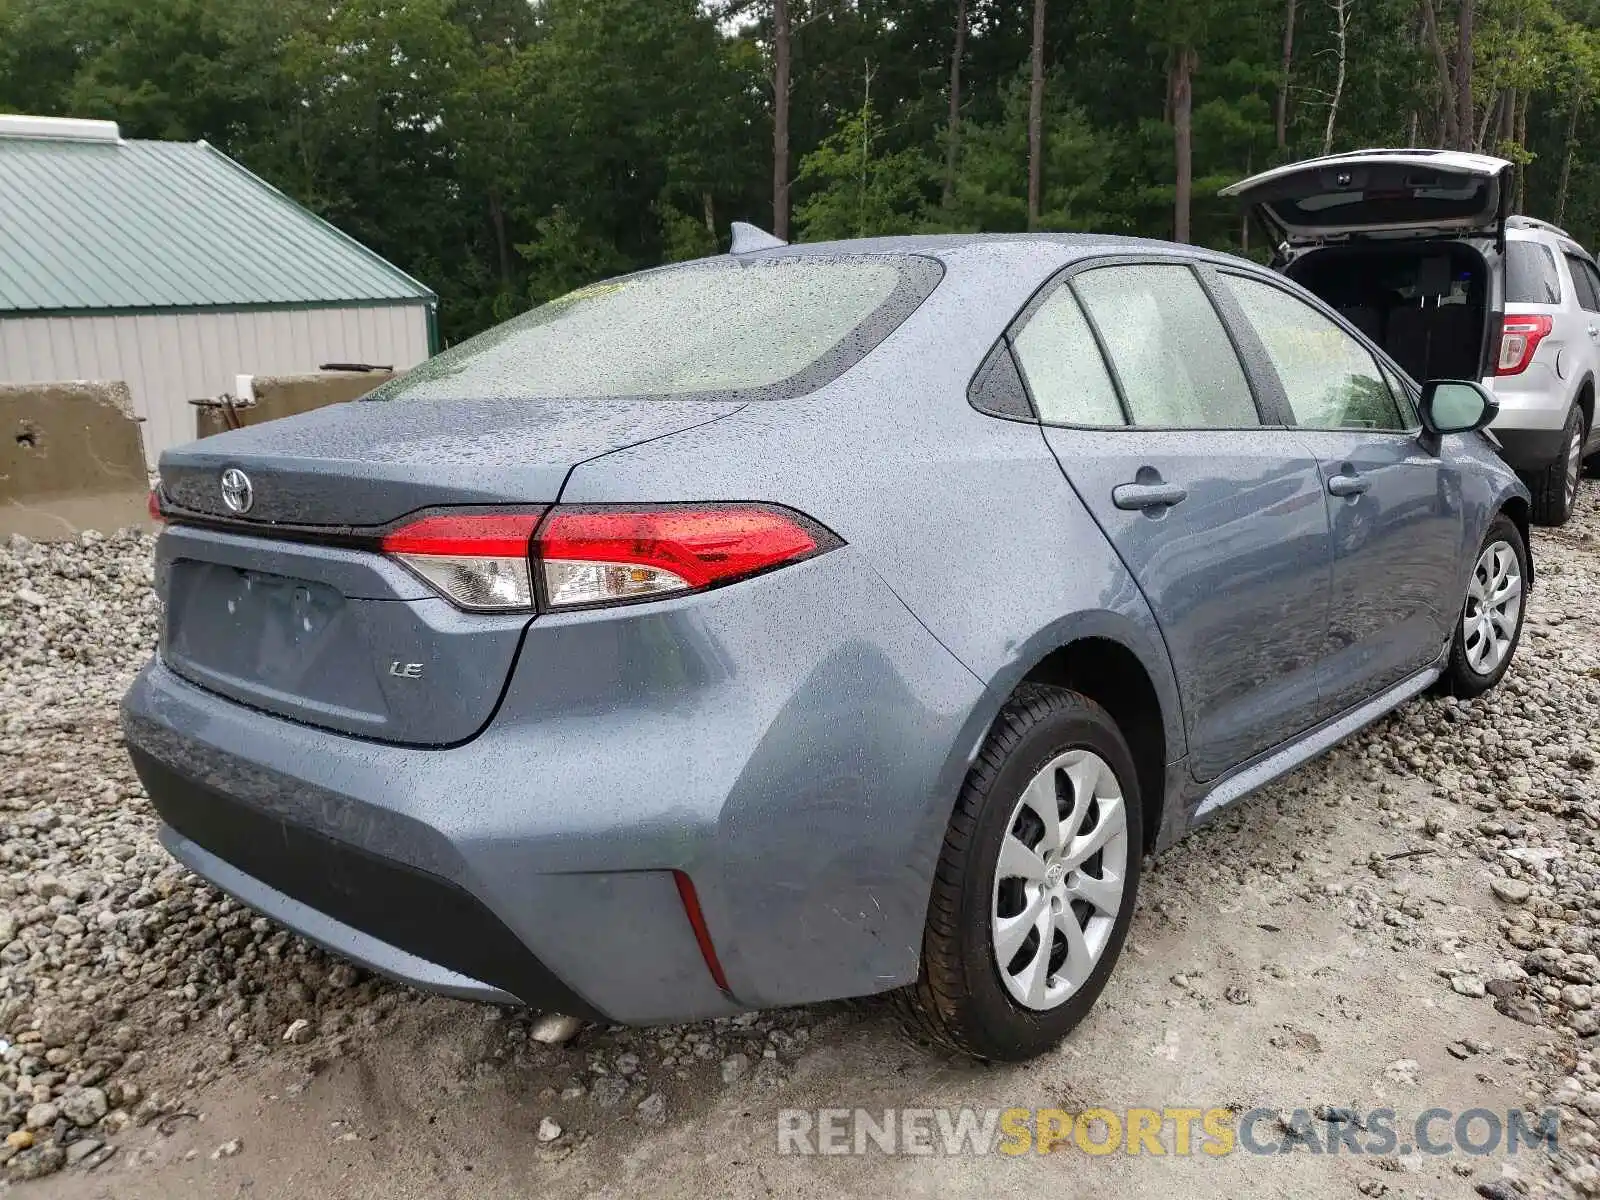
(608, 555)
(1520, 336)
(476, 560)
(592, 556)
(152, 505)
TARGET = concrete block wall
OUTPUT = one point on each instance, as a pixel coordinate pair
(285, 395)
(71, 458)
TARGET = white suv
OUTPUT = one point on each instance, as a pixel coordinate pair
(1416, 250)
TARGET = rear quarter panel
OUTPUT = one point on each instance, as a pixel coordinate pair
(972, 526)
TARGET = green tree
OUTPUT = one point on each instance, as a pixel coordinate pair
(855, 189)
(504, 150)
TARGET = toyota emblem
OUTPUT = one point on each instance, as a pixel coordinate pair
(236, 491)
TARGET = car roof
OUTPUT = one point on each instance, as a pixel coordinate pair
(1069, 246)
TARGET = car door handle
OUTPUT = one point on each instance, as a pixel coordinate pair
(1594, 332)
(1148, 495)
(1348, 485)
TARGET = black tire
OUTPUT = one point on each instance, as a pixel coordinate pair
(1554, 489)
(959, 1001)
(1460, 678)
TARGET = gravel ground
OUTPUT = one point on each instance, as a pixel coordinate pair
(1419, 910)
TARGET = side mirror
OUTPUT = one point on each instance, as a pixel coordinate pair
(1455, 406)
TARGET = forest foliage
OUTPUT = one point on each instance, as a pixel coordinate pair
(505, 151)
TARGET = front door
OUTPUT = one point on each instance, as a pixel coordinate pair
(1219, 519)
(1394, 508)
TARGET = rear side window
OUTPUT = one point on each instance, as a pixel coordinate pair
(1065, 373)
(1531, 276)
(1594, 285)
(1583, 283)
(717, 329)
(1330, 380)
(1168, 347)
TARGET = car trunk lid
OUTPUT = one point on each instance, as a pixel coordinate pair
(285, 603)
(367, 463)
(1380, 193)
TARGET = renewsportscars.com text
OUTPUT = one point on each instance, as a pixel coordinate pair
(1171, 1130)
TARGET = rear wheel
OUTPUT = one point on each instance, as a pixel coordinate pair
(1490, 627)
(1036, 883)
(1555, 489)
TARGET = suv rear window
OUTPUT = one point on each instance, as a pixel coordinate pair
(1407, 202)
(716, 329)
(1531, 274)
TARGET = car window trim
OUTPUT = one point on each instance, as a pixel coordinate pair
(977, 387)
(1249, 347)
(1381, 360)
(1408, 409)
(1106, 361)
(1064, 277)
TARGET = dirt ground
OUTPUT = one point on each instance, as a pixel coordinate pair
(1411, 923)
(1320, 1013)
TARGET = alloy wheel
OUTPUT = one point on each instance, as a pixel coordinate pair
(1060, 880)
(1494, 605)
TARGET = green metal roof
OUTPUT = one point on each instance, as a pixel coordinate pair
(104, 225)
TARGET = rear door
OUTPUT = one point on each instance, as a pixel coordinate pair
(1394, 508)
(1217, 515)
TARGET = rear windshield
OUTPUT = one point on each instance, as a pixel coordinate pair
(1531, 274)
(717, 329)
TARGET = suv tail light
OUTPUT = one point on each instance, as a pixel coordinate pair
(582, 557)
(1520, 335)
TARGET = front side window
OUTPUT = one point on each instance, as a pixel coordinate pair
(1330, 380)
(1066, 375)
(716, 329)
(1168, 347)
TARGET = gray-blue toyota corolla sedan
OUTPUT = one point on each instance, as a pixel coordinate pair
(809, 622)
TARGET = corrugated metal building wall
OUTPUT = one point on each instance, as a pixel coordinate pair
(171, 267)
(168, 359)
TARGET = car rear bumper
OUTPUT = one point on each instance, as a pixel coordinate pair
(433, 905)
(333, 935)
(1529, 449)
(1533, 414)
(792, 744)
(410, 925)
